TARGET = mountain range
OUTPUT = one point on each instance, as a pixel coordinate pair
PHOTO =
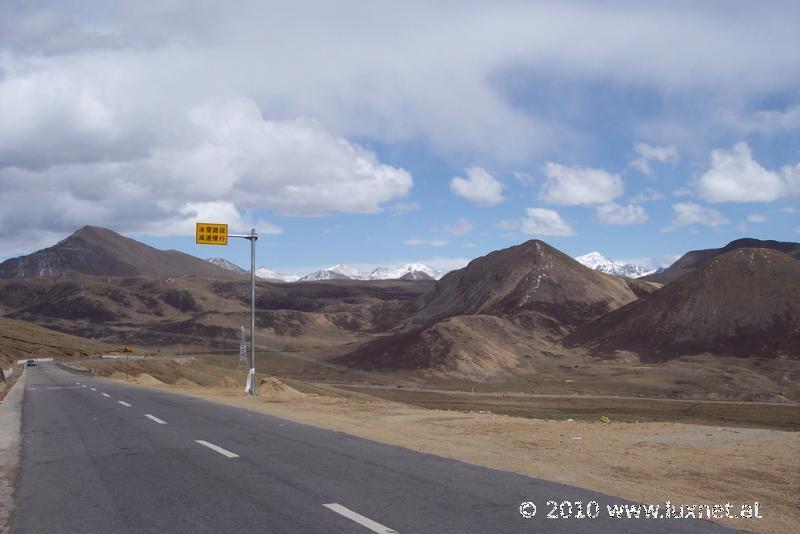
(409, 271)
(420, 271)
(525, 311)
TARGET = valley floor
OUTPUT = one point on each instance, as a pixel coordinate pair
(646, 462)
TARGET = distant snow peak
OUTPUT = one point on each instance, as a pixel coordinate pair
(225, 264)
(392, 273)
(346, 272)
(598, 262)
(263, 272)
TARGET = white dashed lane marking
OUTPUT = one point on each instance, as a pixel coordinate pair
(217, 448)
(105, 394)
(84, 386)
(93, 389)
(124, 404)
(156, 419)
(360, 519)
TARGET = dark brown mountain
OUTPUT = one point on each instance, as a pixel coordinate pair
(531, 278)
(744, 302)
(503, 307)
(693, 259)
(98, 251)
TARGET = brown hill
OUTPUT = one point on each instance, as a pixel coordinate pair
(193, 310)
(531, 279)
(473, 347)
(20, 340)
(486, 318)
(98, 251)
(744, 302)
(693, 259)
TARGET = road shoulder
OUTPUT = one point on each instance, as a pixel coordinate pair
(10, 441)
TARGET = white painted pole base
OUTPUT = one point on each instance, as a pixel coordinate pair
(250, 387)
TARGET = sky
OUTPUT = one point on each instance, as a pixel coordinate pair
(379, 133)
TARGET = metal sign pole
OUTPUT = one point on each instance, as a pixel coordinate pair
(253, 238)
(217, 234)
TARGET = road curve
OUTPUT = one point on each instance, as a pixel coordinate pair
(101, 457)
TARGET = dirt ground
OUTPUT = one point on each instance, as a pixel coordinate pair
(645, 462)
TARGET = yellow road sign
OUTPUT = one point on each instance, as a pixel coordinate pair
(211, 234)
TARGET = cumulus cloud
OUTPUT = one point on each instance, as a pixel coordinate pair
(295, 167)
(108, 109)
(539, 222)
(756, 218)
(618, 214)
(479, 187)
(689, 213)
(648, 153)
(735, 176)
(570, 186)
(461, 227)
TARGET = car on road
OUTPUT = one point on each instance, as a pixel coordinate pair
(30, 363)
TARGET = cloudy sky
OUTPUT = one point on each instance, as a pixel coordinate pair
(378, 132)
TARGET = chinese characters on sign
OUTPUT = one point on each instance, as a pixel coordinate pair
(211, 234)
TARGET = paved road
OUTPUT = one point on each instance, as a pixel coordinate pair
(104, 457)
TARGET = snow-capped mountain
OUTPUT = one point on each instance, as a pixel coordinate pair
(263, 272)
(337, 272)
(598, 262)
(225, 264)
(392, 273)
(346, 272)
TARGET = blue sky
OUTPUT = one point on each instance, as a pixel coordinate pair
(369, 133)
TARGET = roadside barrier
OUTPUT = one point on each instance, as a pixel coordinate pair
(76, 370)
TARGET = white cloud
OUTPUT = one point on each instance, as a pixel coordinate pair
(404, 207)
(648, 195)
(234, 161)
(479, 187)
(689, 213)
(617, 214)
(756, 218)
(183, 222)
(461, 227)
(570, 186)
(415, 241)
(765, 121)
(539, 221)
(648, 153)
(735, 176)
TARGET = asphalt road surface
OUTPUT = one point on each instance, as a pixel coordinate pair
(104, 457)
